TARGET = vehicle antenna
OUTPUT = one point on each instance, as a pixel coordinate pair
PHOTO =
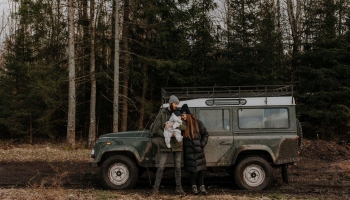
(147, 124)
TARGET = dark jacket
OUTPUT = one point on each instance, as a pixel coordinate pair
(158, 131)
(194, 157)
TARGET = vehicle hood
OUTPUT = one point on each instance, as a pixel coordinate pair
(126, 134)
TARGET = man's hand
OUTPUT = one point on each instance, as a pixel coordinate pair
(167, 126)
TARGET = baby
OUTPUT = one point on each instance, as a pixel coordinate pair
(173, 123)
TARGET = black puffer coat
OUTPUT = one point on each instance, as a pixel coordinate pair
(194, 157)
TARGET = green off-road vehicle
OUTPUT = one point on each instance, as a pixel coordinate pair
(252, 129)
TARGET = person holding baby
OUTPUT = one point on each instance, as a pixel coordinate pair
(169, 126)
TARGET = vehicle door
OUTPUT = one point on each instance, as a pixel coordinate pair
(218, 123)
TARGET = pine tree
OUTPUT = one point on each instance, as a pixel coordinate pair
(324, 86)
(157, 45)
(253, 56)
(200, 33)
(33, 78)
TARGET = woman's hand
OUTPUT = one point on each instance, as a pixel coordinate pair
(203, 144)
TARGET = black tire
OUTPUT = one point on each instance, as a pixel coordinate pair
(284, 170)
(230, 173)
(142, 170)
(253, 173)
(119, 172)
(299, 133)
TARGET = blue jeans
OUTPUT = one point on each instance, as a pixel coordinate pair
(177, 162)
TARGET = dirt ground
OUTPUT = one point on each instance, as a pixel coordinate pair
(322, 173)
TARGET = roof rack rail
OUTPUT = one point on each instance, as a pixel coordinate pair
(186, 93)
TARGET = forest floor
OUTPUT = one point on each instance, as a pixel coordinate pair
(51, 171)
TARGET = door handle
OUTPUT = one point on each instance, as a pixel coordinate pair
(224, 143)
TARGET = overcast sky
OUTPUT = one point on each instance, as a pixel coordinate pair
(4, 11)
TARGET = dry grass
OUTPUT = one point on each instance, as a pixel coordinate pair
(51, 187)
(70, 194)
(46, 152)
(47, 194)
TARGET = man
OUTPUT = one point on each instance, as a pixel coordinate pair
(164, 151)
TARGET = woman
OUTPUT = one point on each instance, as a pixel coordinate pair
(194, 140)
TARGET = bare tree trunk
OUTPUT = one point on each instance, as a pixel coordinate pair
(228, 20)
(143, 97)
(279, 30)
(92, 126)
(340, 17)
(71, 71)
(294, 12)
(124, 119)
(85, 27)
(116, 69)
(85, 43)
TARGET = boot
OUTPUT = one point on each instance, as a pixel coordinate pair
(194, 189)
(202, 190)
(155, 190)
(180, 191)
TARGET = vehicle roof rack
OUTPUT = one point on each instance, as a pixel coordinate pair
(187, 93)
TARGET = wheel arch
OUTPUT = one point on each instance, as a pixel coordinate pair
(125, 152)
(253, 150)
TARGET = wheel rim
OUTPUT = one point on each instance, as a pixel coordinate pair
(118, 173)
(254, 175)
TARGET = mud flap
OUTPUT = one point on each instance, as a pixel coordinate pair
(284, 169)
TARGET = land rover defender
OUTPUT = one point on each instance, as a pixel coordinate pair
(252, 129)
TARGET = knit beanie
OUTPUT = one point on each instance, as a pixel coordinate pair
(185, 110)
(173, 99)
(177, 113)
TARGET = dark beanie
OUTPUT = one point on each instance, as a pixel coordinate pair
(185, 110)
(177, 113)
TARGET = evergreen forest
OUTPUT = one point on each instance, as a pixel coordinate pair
(166, 43)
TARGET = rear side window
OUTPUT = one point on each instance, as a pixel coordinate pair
(215, 119)
(263, 118)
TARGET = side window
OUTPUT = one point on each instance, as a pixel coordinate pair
(215, 119)
(272, 118)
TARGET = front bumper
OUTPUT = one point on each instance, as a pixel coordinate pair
(93, 163)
